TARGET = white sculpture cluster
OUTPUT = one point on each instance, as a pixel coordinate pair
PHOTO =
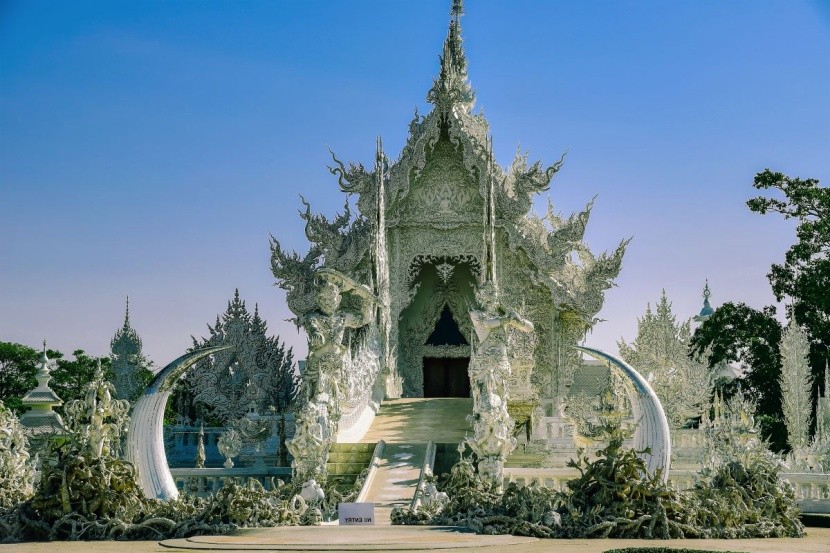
(732, 432)
(256, 369)
(129, 366)
(99, 418)
(229, 445)
(806, 455)
(796, 384)
(16, 468)
(326, 384)
(660, 352)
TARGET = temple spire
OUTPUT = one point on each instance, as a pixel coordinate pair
(40, 419)
(707, 310)
(451, 87)
(125, 353)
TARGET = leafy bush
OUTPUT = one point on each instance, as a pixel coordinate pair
(614, 496)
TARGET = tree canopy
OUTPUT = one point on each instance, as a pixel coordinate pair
(18, 365)
(803, 279)
(752, 337)
(737, 333)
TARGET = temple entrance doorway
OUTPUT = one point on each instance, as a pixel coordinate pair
(446, 377)
(435, 327)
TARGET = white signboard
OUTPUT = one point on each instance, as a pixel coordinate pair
(356, 514)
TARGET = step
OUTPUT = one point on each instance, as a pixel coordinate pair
(525, 460)
(347, 461)
(446, 455)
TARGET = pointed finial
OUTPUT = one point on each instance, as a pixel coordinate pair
(127, 313)
(451, 87)
(44, 360)
(99, 370)
(707, 310)
(379, 152)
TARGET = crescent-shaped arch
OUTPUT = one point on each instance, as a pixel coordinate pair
(145, 439)
(652, 426)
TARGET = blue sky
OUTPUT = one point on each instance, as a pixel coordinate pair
(149, 148)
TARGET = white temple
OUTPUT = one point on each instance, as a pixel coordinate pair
(445, 283)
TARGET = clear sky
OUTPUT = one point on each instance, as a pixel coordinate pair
(149, 148)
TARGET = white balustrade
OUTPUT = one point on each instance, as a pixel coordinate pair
(203, 482)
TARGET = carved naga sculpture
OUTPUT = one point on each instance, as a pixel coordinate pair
(489, 369)
(326, 327)
(323, 377)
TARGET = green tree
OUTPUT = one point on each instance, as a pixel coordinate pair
(737, 333)
(803, 279)
(69, 378)
(18, 365)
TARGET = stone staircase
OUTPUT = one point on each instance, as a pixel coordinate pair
(520, 458)
(407, 426)
(347, 461)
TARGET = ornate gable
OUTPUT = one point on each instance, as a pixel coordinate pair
(444, 193)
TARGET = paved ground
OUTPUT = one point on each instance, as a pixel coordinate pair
(419, 538)
(419, 420)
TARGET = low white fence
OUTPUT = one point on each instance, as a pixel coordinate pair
(203, 482)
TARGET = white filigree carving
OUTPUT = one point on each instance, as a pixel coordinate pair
(427, 225)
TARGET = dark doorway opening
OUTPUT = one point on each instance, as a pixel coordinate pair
(446, 332)
(446, 377)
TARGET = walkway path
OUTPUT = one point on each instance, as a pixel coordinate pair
(396, 478)
(406, 425)
(413, 538)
